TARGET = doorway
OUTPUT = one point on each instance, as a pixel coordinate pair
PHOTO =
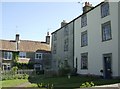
(107, 66)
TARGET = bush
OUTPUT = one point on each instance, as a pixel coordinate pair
(43, 85)
(87, 84)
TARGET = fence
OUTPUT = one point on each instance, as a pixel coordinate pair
(25, 71)
(22, 71)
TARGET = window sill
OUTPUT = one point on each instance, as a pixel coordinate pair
(7, 59)
(107, 40)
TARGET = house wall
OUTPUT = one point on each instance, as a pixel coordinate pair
(30, 55)
(119, 36)
(0, 56)
(96, 48)
(62, 55)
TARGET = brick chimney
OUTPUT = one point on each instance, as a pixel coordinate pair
(87, 7)
(17, 41)
(17, 37)
(63, 23)
(48, 38)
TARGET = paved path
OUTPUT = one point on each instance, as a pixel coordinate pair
(111, 86)
(24, 84)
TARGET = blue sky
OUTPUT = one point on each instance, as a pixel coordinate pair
(32, 20)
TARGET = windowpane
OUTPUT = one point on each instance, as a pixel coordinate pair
(84, 61)
(38, 56)
(54, 48)
(66, 43)
(105, 9)
(83, 21)
(66, 31)
(8, 55)
(84, 40)
(106, 31)
(22, 54)
(55, 36)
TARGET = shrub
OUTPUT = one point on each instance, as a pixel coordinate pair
(87, 84)
(43, 85)
(14, 70)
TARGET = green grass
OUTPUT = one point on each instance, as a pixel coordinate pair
(13, 83)
(74, 81)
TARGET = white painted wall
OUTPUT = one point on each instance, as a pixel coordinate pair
(119, 36)
(96, 48)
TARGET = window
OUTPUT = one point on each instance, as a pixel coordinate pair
(84, 61)
(8, 55)
(105, 9)
(6, 66)
(106, 31)
(83, 21)
(66, 63)
(38, 67)
(66, 43)
(84, 39)
(22, 54)
(38, 56)
(66, 31)
(55, 36)
(54, 48)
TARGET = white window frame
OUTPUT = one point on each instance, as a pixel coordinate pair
(106, 31)
(38, 66)
(9, 55)
(39, 55)
(84, 61)
(22, 55)
(84, 39)
(84, 21)
(105, 10)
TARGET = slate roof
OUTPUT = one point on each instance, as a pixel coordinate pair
(24, 45)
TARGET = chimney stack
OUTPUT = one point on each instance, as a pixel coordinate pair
(87, 7)
(17, 38)
(17, 41)
(63, 23)
(48, 38)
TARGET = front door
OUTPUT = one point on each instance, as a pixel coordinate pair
(107, 58)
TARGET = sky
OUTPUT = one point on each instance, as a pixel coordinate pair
(33, 19)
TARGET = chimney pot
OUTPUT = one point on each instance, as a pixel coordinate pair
(87, 7)
(63, 23)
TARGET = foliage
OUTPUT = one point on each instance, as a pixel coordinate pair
(74, 81)
(10, 75)
(24, 65)
(87, 84)
(64, 69)
(14, 70)
(15, 57)
(43, 85)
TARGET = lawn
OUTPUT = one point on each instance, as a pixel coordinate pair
(13, 83)
(74, 81)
